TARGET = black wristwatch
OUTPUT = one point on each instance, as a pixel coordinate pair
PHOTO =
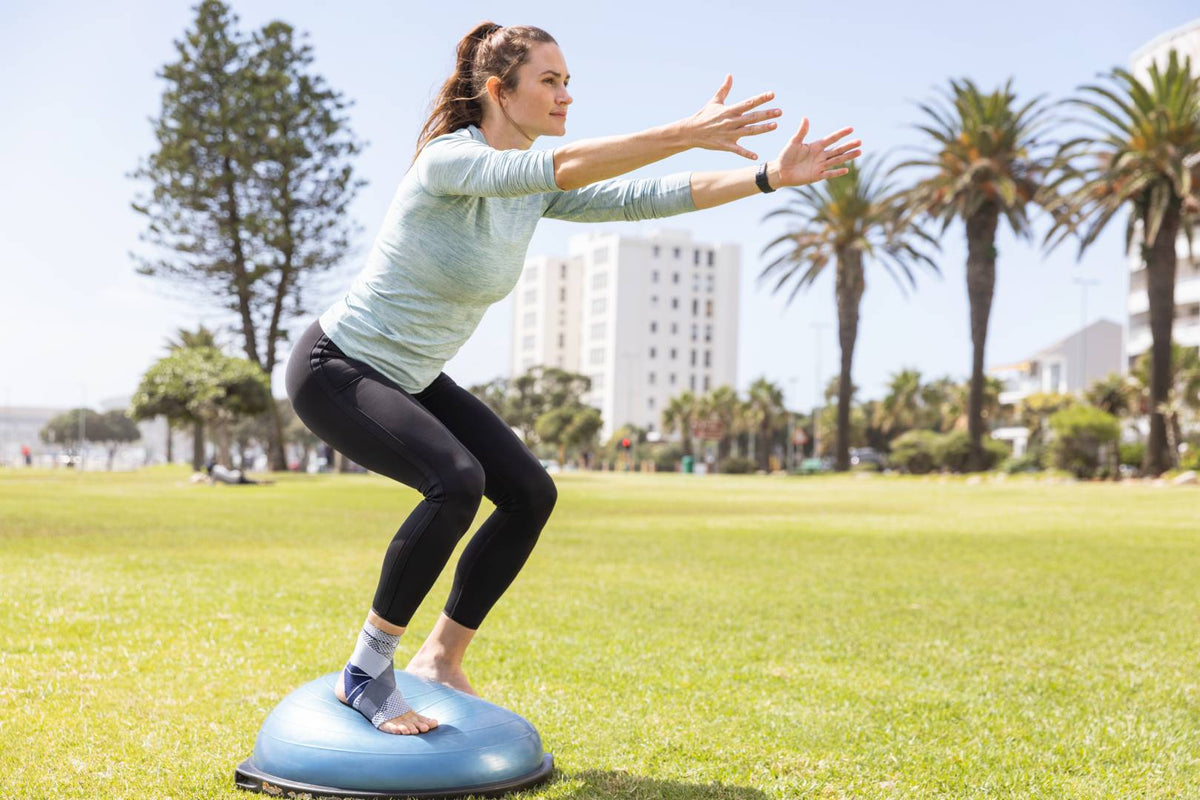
(761, 179)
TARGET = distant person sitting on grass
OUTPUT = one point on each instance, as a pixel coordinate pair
(366, 375)
(235, 477)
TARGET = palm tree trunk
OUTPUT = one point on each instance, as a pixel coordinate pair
(1160, 268)
(849, 288)
(981, 284)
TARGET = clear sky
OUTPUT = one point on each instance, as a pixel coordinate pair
(79, 85)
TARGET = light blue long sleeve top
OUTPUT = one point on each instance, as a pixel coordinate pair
(454, 242)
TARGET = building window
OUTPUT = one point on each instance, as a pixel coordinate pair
(652, 352)
(527, 343)
(695, 333)
(531, 272)
(598, 330)
(598, 382)
(672, 378)
(696, 283)
(600, 280)
(654, 276)
(693, 356)
(656, 250)
(530, 319)
(708, 358)
(674, 302)
(708, 333)
(677, 252)
(598, 305)
(654, 300)
(674, 328)
(708, 286)
(692, 382)
(526, 364)
(710, 258)
(695, 308)
(696, 257)
(600, 256)
(708, 308)
(597, 355)
(706, 383)
(650, 403)
(675, 277)
(531, 296)
(654, 327)
(562, 340)
(672, 353)
(650, 379)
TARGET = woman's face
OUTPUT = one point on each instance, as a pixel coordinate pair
(539, 105)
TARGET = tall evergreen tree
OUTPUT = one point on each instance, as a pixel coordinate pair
(250, 182)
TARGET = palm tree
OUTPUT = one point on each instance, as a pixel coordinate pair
(201, 337)
(901, 409)
(844, 221)
(722, 403)
(1113, 394)
(765, 401)
(679, 413)
(986, 163)
(1144, 157)
(1183, 391)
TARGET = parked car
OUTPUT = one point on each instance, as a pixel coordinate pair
(866, 455)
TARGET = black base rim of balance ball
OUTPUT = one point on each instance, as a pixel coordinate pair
(254, 780)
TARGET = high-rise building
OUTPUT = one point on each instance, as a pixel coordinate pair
(645, 317)
(1186, 41)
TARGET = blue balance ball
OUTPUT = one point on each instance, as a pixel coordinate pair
(313, 743)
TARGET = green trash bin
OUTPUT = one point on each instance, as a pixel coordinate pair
(688, 461)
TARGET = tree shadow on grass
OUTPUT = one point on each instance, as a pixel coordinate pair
(597, 783)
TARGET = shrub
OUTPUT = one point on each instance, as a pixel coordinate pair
(913, 452)
(1030, 462)
(1080, 433)
(737, 465)
(953, 449)
(667, 457)
(1133, 453)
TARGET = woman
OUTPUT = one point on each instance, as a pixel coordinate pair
(366, 376)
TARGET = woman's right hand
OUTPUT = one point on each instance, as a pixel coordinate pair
(718, 126)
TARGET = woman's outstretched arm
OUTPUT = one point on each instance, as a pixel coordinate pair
(714, 127)
(799, 163)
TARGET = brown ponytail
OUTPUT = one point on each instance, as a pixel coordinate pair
(489, 49)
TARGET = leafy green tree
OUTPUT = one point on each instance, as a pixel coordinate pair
(110, 429)
(1034, 411)
(249, 184)
(200, 385)
(1142, 157)
(847, 222)
(984, 161)
(569, 426)
(679, 414)
(1183, 391)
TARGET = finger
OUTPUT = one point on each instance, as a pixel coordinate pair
(843, 159)
(754, 130)
(845, 148)
(833, 137)
(759, 116)
(723, 92)
(800, 134)
(757, 100)
(741, 151)
(836, 173)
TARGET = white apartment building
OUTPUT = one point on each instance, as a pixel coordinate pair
(1186, 41)
(1069, 365)
(645, 317)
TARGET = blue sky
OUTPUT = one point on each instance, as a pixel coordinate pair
(79, 86)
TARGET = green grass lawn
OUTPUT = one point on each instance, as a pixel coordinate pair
(672, 636)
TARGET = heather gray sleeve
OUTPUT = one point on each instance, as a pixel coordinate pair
(467, 166)
(623, 199)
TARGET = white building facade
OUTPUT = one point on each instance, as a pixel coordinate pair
(646, 318)
(1185, 40)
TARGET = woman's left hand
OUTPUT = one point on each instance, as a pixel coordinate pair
(800, 163)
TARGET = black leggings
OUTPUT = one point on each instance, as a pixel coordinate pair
(448, 445)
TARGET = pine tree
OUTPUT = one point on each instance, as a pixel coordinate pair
(250, 181)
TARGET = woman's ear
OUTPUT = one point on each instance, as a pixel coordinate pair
(494, 89)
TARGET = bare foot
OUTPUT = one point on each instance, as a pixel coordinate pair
(407, 723)
(451, 675)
